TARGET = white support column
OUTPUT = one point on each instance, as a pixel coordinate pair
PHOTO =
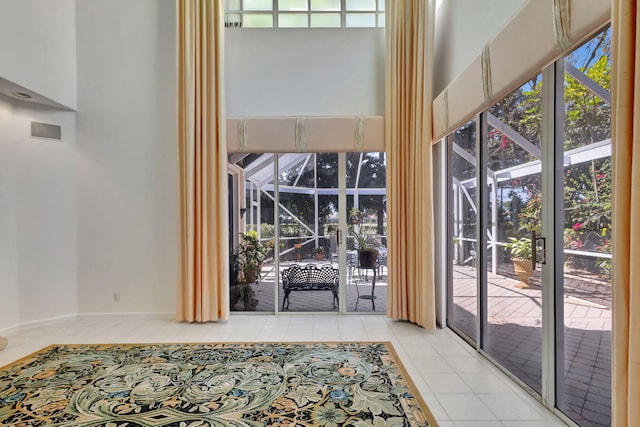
(456, 221)
(494, 225)
(241, 195)
(460, 227)
(342, 226)
(276, 224)
(252, 189)
(258, 210)
(316, 228)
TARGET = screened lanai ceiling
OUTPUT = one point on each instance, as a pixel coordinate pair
(595, 151)
(259, 169)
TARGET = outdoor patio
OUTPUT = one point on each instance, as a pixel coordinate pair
(321, 301)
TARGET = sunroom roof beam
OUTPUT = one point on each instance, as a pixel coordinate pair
(302, 169)
(359, 169)
(597, 150)
(513, 135)
(236, 157)
(464, 154)
(587, 82)
(289, 160)
(326, 191)
(295, 218)
(469, 158)
(525, 169)
(265, 160)
(466, 194)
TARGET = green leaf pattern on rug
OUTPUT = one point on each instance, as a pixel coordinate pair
(206, 385)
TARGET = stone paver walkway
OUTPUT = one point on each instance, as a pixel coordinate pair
(321, 301)
(514, 337)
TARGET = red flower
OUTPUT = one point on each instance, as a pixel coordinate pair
(504, 141)
(601, 175)
(577, 226)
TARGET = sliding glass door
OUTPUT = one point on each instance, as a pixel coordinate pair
(512, 131)
(584, 359)
(311, 204)
(463, 259)
(529, 255)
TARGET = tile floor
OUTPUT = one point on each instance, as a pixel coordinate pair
(460, 387)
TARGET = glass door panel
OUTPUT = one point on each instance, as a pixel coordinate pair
(366, 205)
(463, 307)
(257, 211)
(302, 216)
(584, 391)
(513, 336)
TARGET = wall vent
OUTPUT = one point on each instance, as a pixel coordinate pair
(44, 130)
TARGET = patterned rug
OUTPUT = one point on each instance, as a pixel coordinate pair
(200, 385)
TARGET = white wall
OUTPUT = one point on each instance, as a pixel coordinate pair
(463, 27)
(289, 72)
(127, 156)
(38, 47)
(38, 212)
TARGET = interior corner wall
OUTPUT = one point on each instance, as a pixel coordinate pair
(304, 72)
(38, 253)
(127, 156)
(462, 30)
(38, 47)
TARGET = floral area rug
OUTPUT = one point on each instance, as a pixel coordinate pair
(189, 385)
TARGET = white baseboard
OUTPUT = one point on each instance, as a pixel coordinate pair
(125, 316)
(85, 316)
(37, 323)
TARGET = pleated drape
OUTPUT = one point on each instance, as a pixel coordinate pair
(204, 259)
(626, 212)
(408, 129)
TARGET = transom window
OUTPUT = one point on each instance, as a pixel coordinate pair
(304, 13)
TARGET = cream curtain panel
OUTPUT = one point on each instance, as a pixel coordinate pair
(408, 128)
(625, 21)
(204, 259)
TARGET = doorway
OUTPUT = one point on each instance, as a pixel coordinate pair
(311, 204)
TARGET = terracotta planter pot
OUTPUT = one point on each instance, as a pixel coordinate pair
(367, 258)
(297, 247)
(524, 269)
(251, 276)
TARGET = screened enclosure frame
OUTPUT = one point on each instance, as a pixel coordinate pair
(259, 176)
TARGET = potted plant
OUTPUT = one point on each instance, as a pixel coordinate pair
(319, 253)
(521, 258)
(367, 253)
(247, 259)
